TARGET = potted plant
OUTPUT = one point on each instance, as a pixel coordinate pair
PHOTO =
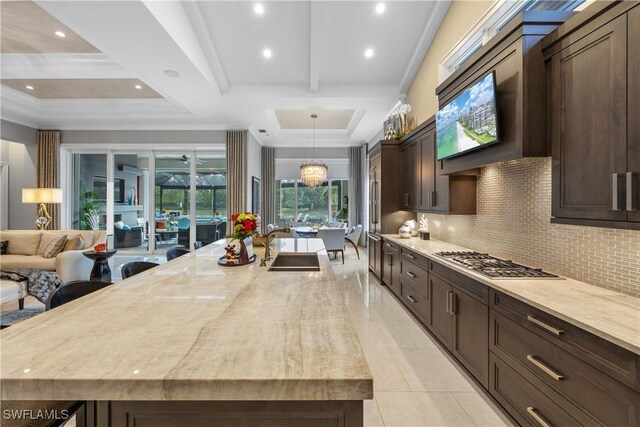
(245, 225)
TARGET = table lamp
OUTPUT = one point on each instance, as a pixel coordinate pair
(42, 196)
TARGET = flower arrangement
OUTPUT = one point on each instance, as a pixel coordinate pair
(245, 225)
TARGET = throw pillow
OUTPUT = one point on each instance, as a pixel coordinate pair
(126, 227)
(54, 247)
(3, 247)
(119, 224)
(74, 243)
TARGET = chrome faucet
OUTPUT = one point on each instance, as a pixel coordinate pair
(267, 243)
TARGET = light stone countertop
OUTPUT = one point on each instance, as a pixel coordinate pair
(193, 330)
(610, 315)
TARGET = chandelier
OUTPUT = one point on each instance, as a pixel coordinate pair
(313, 172)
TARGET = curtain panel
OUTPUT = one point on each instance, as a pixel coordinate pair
(268, 187)
(357, 181)
(236, 156)
(48, 169)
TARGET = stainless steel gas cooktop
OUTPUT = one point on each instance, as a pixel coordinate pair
(493, 267)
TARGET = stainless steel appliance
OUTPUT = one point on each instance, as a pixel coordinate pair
(493, 267)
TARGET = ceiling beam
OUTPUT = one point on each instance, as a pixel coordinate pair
(430, 30)
(194, 13)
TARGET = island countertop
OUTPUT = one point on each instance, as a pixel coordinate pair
(193, 330)
(611, 315)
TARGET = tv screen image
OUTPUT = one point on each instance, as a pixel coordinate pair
(469, 121)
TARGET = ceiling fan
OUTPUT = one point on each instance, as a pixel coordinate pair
(186, 160)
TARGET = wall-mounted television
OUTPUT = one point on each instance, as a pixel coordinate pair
(469, 121)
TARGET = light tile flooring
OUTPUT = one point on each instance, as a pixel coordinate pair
(416, 383)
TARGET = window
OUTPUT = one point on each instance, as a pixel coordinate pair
(498, 15)
(314, 205)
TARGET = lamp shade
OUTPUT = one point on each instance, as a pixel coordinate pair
(41, 195)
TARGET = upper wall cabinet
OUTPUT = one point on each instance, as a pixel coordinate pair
(593, 71)
(422, 187)
(516, 57)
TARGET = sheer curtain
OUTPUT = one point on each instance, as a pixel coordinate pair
(48, 169)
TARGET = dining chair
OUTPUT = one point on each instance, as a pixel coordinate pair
(174, 253)
(353, 237)
(333, 239)
(74, 290)
(136, 267)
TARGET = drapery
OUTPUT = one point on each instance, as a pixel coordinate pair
(357, 179)
(48, 169)
(268, 187)
(236, 173)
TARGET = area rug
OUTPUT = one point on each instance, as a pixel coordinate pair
(19, 316)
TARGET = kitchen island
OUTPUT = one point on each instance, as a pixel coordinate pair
(193, 343)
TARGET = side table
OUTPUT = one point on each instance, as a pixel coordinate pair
(100, 271)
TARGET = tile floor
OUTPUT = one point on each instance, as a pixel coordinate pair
(416, 383)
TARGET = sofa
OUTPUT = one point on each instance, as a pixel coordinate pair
(127, 237)
(26, 252)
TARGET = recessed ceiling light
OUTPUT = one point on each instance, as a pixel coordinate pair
(267, 53)
(380, 7)
(368, 53)
(29, 87)
(172, 73)
(138, 87)
(60, 34)
(258, 8)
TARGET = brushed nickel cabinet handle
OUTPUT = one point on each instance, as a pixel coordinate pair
(632, 191)
(449, 302)
(544, 326)
(454, 303)
(388, 245)
(536, 416)
(412, 275)
(412, 299)
(544, 368)
(617, 192)
(406, 199)
(409, 256)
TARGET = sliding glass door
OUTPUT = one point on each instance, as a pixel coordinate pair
(315, 206)
(144, 199)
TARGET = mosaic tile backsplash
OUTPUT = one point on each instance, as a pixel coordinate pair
(512, 221)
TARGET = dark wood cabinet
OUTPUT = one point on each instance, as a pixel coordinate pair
(410, 171)
(633, 122)
(594, 117)
(461, 322)
(470, 332)
(375, 255)
(440, 323)
(391, 267)
(423, 188)
(375, 166)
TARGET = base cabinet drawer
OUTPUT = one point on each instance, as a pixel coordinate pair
(524, 402)
(415, 300)
(601, 397)
(417, 276)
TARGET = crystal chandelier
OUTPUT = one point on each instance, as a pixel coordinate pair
(313, 172)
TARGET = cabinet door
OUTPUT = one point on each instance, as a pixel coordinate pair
(428, 198)
(588, 115)
(633, 119)
(387, 267)
(440, 320)
(470, 342)
(374, 198)
(373, 255)
(410, 164)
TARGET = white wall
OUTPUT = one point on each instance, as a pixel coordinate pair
(22, 160)
(254, 165)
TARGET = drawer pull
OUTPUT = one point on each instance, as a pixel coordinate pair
(409, 256)
(388, 245)
(545, 326)
(412, 275)
(412, 299)
(536, 416)
(547, 370)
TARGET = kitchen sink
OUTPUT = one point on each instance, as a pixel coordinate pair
(295, 261)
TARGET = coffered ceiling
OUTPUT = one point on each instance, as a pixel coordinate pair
(214, 65)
